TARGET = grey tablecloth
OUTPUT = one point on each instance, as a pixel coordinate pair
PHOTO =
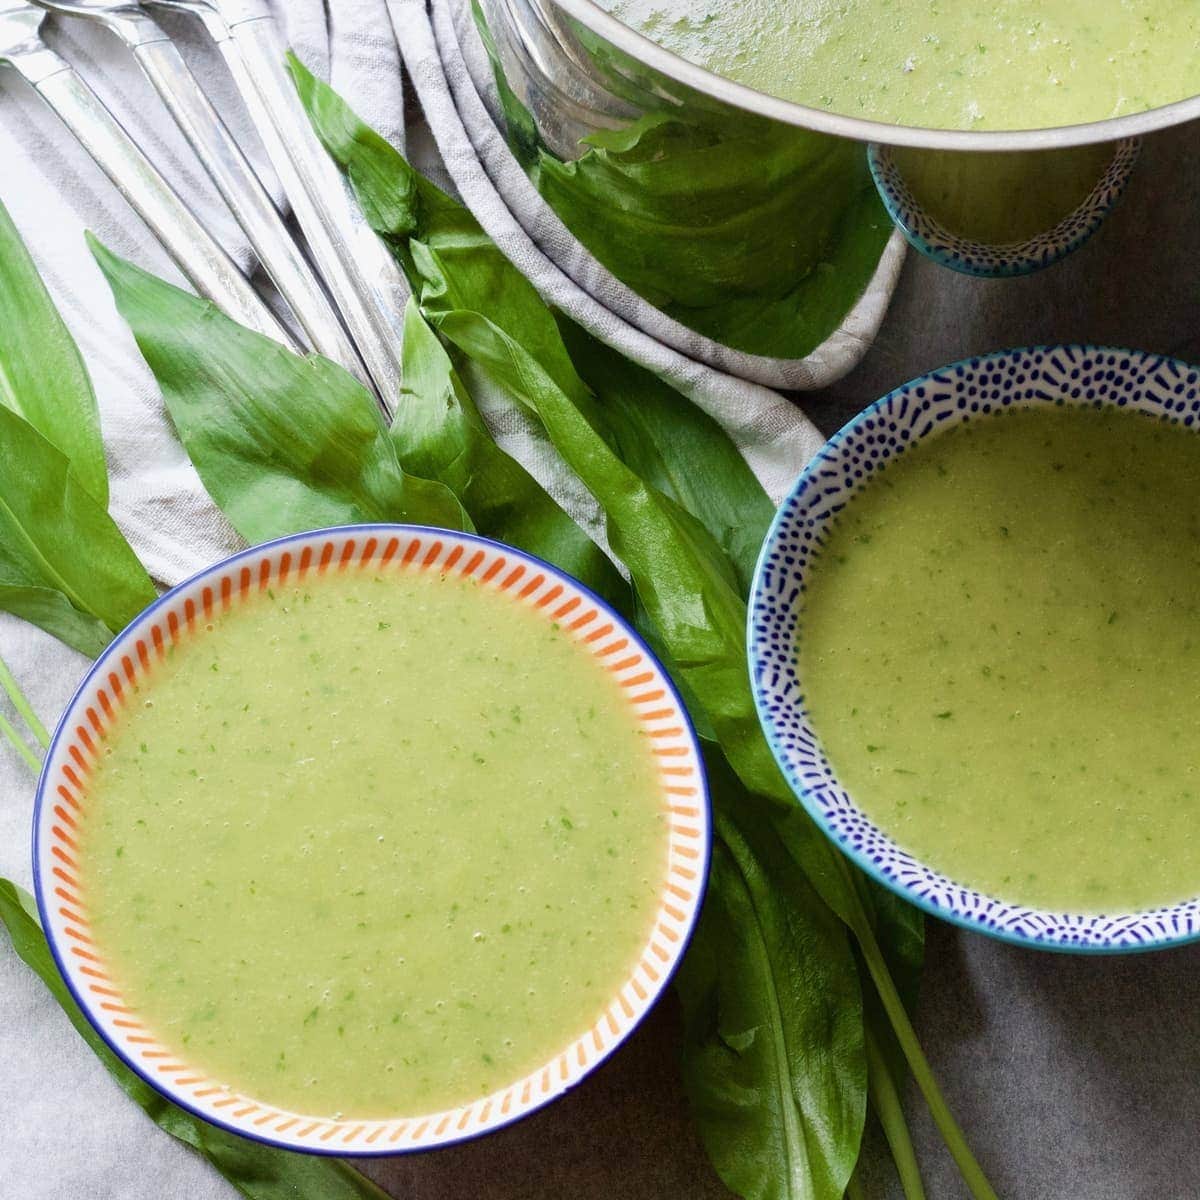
(1076, 1079)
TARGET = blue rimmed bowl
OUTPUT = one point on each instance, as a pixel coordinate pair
(1028, 378)
(65, 804)
(1006, 260)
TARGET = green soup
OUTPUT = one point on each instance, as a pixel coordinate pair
(951, 64)
(1000, 652)
(374, 845)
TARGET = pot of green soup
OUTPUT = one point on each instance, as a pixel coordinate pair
(999, 135)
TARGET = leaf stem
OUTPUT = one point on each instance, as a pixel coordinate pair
(906, 1036)
(886, 1101)
(22, 705)
(18, 744)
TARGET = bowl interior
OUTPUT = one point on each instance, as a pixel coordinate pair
(1074, 375)
(62, 806)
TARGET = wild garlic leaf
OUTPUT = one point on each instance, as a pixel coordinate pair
(680, 572)
(42, 376)
(256, 1171)
(64, 564)
(281, 442)
(770, 266)
(774, 1063)
(675, 447)
(49, 609)
(459, 265)
(452, 264)
(439, 434)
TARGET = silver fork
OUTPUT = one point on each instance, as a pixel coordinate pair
(367, 286)
(228, 168)
(211, 271)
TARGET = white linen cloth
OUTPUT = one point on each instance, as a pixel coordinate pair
(65, 1129)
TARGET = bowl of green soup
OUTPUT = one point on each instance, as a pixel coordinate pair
(371, 839)
(974, 642)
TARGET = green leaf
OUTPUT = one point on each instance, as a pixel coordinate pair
(689, 208)
(42, 376)
(453, 265)
(679, 570)
(455, 272)
(50, 610)
(388, 197)
(64, 564)
(258, 1172)
(439, 433)
(774, 1057)
(436, 239)
(677, 448)
(281, 442)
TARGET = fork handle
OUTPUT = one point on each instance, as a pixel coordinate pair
(211, 271)
(248, 200)
(367, 286)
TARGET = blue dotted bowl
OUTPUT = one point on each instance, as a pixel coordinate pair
(970, 257)
(1044, 375)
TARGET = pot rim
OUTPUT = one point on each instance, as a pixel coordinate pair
(638, 46)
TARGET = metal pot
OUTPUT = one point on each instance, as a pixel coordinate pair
(988, 203)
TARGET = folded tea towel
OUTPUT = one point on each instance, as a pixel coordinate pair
(469, 77)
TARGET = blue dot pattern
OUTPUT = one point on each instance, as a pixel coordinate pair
(955, 395)
(997, 262)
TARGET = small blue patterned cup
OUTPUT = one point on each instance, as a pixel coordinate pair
(970, 256)
(954, 395)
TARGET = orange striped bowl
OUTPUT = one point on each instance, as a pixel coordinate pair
(61, 811)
